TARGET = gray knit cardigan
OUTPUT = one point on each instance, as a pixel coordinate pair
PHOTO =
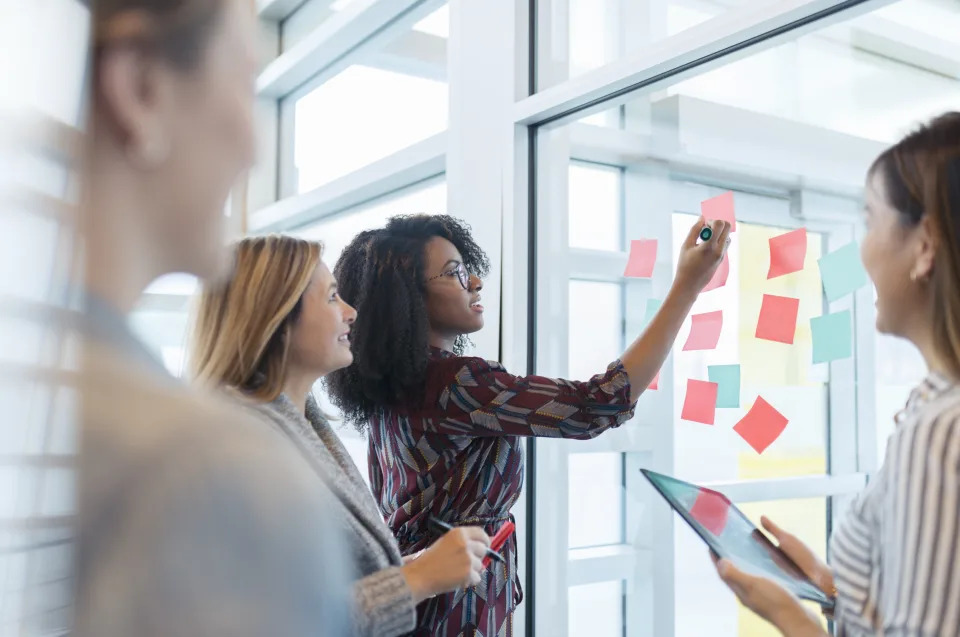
(383, 602)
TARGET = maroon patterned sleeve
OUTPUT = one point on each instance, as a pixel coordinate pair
(475, 397)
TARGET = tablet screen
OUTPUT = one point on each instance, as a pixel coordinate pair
(732, 535)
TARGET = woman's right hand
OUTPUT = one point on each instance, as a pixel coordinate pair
(452, 562)
(811, 565)
(698, 261)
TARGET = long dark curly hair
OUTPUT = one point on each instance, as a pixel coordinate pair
(382, 273)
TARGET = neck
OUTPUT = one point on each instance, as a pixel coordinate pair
(297, 388)
(119, 257)
(441, 341)
(932, 355)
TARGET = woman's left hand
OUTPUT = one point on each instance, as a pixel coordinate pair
(770, 601)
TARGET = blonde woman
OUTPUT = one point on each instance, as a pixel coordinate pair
(268, 333)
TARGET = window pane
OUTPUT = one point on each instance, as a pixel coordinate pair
(596, 609)
(337, 231)
(778, 372)
(704, 605)
(596, 326)
(597, 32)
(596, 499)
(360, 116)
(594, 192)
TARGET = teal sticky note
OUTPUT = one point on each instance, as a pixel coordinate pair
(832, 337)
(653, 306)
(727, 378)
(842, 272)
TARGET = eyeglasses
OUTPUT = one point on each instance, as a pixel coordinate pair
(460, 271)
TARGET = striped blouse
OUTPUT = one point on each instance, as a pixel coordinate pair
(896, 558)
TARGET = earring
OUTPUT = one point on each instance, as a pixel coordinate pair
(151, 152)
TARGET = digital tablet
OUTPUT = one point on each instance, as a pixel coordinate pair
(733, 536)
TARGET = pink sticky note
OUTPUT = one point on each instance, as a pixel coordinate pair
(787, 253)
(705, 331)
(655, 383)
(710, 509)
(720, 276)
(643, 254)
(761, 426)
(778, 318)
(719, 208)
(700, 403)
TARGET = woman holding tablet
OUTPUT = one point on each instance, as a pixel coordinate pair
(445, 429)
(896, 557)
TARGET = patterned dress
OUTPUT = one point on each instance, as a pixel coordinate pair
(459, 458)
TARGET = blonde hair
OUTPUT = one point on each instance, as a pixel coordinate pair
(241, 333)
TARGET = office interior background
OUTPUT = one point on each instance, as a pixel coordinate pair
(560, 130)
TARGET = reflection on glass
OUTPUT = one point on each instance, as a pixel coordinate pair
(595, 509)
(595, 610)
(594, 204)
(588, 34)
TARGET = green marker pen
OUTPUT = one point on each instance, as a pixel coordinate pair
(705, 234)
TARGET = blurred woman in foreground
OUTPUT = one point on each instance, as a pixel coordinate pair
(192, 519)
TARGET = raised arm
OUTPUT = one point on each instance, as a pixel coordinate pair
(696, 264)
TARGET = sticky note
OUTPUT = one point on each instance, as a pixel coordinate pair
(832, 337)
(653, 306)
(705, 331)
(711, 510)
(727, 378)
(700, 403)
(761, 426)
(655, 383)
(719, 208)
(643, 255)
(778, 318)
(787, 253)
(842, 272)
(719, 278)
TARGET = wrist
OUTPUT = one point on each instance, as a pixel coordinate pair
(683, 293)
(416, 581)
(795, 621)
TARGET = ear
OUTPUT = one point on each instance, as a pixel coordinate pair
(130, 86)
(925, 249)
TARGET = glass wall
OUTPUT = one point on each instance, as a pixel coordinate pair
(789, 129)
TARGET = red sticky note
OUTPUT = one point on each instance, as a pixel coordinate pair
(710, 509)
(643, 254)
(705, 331)
(719, 208)
(720, 276)
(700, 403)
(787, 253)
(655, 383)
(778, 318)
(761, 426)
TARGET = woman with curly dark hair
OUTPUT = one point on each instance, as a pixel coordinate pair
(444, 429)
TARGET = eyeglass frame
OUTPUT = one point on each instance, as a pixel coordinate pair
(463, 275)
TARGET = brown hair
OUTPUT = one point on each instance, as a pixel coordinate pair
(241, 333)
(176, 30)
(922, 178)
